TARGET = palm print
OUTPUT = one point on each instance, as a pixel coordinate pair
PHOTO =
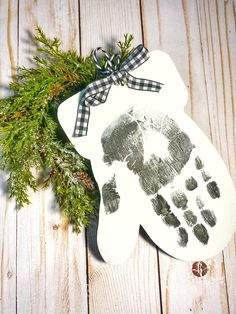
(125, 141)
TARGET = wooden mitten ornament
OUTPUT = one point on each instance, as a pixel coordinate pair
(153, 165)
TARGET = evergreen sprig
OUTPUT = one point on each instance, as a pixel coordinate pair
(30, 136)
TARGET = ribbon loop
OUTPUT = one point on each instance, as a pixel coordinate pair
(115, 73)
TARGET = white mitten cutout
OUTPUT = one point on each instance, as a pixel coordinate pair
(155, 168)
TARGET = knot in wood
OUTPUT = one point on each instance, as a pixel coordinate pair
(199, 269)
(55, 227)
(9, 274)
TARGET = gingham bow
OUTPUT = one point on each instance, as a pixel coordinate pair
(97, 92)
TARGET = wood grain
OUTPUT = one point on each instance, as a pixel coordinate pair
(219, 48)
(51, 259)
(8, 62)
(204, 109)
(44, 266)
(105, 22)
(131, 287)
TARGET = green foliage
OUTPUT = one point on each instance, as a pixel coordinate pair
(125, 47)
(30, 136)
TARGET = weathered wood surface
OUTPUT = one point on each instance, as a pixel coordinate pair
(44, 267)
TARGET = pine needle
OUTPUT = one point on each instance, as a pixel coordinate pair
(30, 135)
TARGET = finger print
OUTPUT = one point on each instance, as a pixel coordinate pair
(201, 233)
(199, 202)
(190, 218)
(191, 184)
(179, 199)
(198, 163)
(209, 217)
(183, 237)
(213, 189)
(110, 196)
(206, 177)
(172, 220)
(160, 205)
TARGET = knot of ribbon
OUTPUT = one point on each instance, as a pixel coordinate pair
(115, 73)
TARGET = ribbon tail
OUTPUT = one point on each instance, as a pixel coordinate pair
(82, 120)
(143, 84)
(83, 113)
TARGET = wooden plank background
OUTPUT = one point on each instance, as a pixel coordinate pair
(44, 266)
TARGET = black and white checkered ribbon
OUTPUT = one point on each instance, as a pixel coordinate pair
(97, 92)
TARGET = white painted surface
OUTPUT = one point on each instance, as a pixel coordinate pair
(118, 232)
